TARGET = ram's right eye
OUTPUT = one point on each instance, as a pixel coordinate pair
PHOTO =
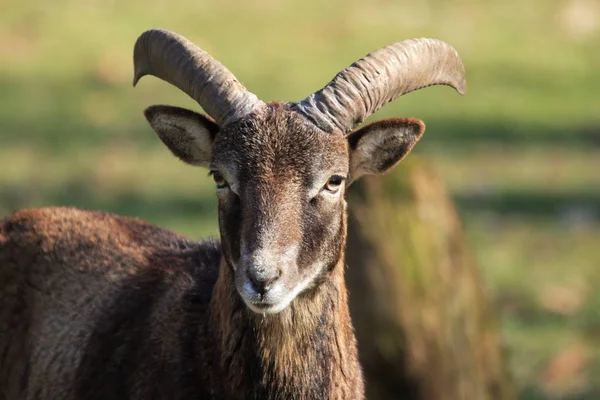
(219, 180)
(334, 183)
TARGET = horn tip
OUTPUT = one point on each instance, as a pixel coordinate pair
(460, 85)
(138, 72)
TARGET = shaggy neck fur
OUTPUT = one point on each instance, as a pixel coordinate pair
(307, 351)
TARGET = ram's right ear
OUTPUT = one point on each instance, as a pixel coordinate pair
(187, 134)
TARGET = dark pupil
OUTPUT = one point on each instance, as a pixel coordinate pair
(218, 179)
(335, 180)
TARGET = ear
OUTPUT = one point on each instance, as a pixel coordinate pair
(187, 134)
(377, 147)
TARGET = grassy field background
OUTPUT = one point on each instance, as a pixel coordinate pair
(520, 152)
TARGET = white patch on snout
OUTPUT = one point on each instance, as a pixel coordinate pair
(279, 298)
(265, 256)
(279, 295)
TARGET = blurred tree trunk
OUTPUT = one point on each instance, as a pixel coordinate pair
(424, 326)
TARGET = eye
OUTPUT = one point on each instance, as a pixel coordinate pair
(219, 180)
(334, 183)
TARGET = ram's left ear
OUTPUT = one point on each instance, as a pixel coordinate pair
(377, 147)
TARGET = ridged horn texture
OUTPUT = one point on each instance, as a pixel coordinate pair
(380, 77)
(176, 60)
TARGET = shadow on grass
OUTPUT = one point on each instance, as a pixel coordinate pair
(531, 393)
(56, 132)
(506, 133)
(571, 206)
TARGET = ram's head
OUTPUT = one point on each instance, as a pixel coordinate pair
(281, 169)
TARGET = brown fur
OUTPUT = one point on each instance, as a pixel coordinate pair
(227, 352)
(97, 306)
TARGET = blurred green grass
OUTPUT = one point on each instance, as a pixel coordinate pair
(520, 152)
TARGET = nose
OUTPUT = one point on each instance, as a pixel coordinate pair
(263, 280)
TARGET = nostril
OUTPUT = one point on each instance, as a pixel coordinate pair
(261, 281)
(269, 282)
(275, 276)
(256, 283)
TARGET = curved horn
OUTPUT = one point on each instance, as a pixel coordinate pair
(380, 77)
(176, 60)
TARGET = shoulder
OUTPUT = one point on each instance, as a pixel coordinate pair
(53, 228)
(102, 241)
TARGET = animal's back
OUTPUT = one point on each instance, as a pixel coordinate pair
(95, 305)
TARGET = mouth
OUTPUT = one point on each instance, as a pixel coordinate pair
(273, 301)
(263, 307)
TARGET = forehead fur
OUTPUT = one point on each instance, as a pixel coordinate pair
(277, 140)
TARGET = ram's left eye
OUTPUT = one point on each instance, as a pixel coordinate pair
(334, 183)
(219, 180)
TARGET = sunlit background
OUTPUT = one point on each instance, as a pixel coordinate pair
(520, 152)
